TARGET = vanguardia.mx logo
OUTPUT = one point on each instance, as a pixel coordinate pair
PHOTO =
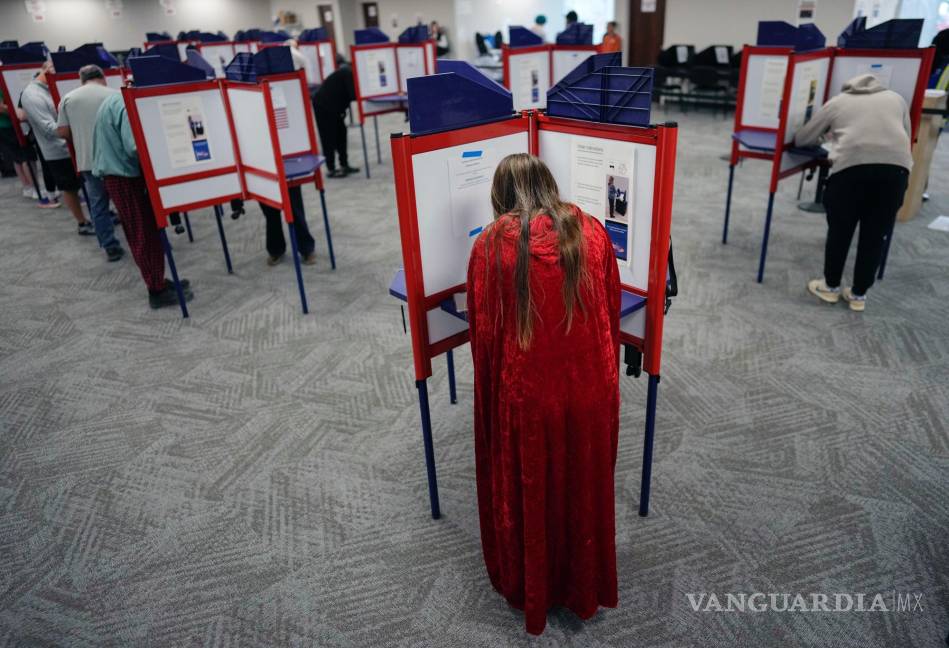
(892, 601)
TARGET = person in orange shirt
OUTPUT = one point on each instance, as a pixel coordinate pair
(612, 42)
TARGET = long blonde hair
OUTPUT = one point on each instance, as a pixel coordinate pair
(523, 188)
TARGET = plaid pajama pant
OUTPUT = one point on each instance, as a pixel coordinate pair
(141, 231)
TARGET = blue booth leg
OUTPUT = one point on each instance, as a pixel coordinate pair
(188, 227)
(174, 272)
(422, 387)
(326, 226)
(764, 239)
(647, 445)
(375, 127)
(365, 151)
(728, 202)
(296, 266)
(218, 213)
(452, 394)
(886, 252)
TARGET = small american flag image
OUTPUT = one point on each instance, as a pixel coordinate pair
(280, 115)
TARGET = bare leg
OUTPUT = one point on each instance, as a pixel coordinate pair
(23, 174)
(71, 199)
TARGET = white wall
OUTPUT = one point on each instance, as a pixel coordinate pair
(75, 22)
(717, 22)
(306, 14)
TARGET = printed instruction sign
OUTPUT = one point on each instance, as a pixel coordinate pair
(601, 185)
(772, 87)
(529, 82)
(804, 96)
(882, 72)
(380, 78)
(185, 131)
(469, 189)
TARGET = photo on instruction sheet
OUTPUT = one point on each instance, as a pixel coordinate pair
(617, 211)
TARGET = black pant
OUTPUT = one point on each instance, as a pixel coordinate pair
(276, 243)
(868, 195)
(333, 137)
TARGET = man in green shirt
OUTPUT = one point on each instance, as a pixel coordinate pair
(115, 160)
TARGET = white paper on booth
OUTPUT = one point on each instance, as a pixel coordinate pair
(381, 79)
(682, 54)
(772, 87)
(601, 185)
(529, 82)
(469, 189)
(721, 55)
(882, 72)
(411, 62)
(804, 96)
(185, 131)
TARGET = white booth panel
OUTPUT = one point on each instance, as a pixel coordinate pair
(253, 138)
(529, 75)
(186, 193)
(764, 86)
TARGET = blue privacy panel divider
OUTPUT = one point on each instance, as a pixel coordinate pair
(414, 34)
(899, 33)
(91, 54)
(157, 36)
(241, 68)
(371, 35)
(601, 90)
(457, 96)
(167, 50)
(29, 53)
(195, 60)
(576, 34)
(157, 70)
(273, 60)
(313, 35)
(781, 34)
(522, 37)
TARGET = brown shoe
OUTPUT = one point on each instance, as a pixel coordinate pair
(274, 260)
(309, 259)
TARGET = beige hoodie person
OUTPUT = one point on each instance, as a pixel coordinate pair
(867, 123)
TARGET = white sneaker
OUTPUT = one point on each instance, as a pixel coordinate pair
(819, 288)
(857, 303)
(30, 192)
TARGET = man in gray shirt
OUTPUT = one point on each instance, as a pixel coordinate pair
(77, 121)
(41, 114)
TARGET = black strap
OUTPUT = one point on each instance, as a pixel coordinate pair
(672, 281)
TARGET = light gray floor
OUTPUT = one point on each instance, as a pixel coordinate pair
(253, 477)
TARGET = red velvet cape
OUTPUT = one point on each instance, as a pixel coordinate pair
(546, 423)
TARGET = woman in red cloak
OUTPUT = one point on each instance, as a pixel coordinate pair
(543, 306)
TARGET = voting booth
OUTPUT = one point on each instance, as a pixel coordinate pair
(381, 70)
(203, 142)
(784, 80)
(320, 52)
(68, 64)
(595, 135)
(526, 66)
(218, 54)
(18, 66)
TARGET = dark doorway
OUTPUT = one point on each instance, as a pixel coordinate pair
(370, 14)
(646, 31)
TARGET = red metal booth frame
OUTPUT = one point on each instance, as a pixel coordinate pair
(663, 137)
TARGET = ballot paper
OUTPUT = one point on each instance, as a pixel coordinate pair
(185, 130)
(601, 184)
(772, 87)
(469, 187)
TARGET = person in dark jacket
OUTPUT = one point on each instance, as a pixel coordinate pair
(330, 104)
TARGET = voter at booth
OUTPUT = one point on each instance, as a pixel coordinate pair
(41, 114)
(115, 160)
(330, 104)
(543, 296)
(77, 122)
(538, 26)
(276, 243)
(870, 128)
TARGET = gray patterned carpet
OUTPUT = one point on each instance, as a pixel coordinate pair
(252, 477)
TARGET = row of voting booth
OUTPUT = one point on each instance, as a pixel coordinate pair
(594, 132)
(204, 141)
(381, 71)
(531, 67)
(789, 74)
(316, 45)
